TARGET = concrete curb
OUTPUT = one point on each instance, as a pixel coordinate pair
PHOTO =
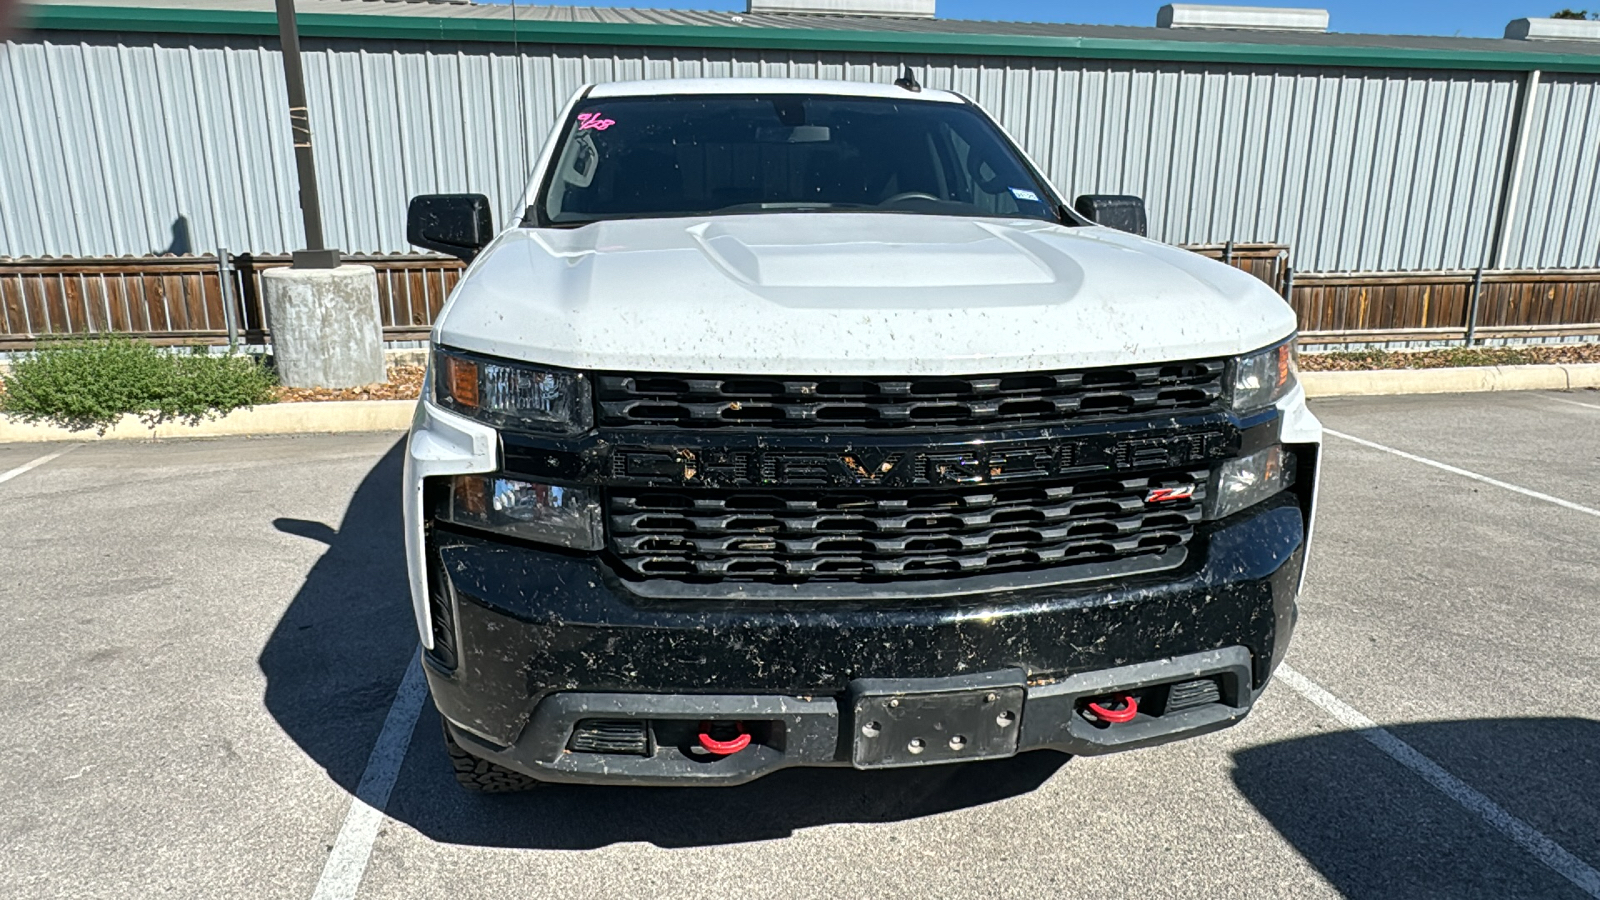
(395, 415)
(270, 419)
(392, 356)
(1382, 382)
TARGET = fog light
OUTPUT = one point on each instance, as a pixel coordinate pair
(1244, 482)
(549, 513)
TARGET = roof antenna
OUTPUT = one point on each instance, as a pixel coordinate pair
(908, 81)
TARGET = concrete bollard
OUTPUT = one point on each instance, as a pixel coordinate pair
(324, 325)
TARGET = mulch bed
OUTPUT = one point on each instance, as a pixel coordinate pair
(1450, 357)
(405, 383)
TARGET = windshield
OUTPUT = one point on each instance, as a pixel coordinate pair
(648, 157)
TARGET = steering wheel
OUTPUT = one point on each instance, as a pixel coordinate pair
(911, 195)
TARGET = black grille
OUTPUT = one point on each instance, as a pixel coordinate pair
(793, 535)
(897, 403)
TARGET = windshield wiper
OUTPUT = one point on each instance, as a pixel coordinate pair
(736, 209)
(784, 206)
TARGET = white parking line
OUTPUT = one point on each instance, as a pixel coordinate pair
(341, 875)
(34, 464)
(1573, 402)
(1493, 814)
(1567, 504)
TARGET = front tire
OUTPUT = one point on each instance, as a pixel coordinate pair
(482, 776)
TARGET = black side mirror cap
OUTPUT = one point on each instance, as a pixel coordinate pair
(455, 224)
(1118, 211)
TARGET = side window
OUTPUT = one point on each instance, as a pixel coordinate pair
(974, 180)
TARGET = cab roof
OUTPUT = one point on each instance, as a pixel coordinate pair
(683, 86)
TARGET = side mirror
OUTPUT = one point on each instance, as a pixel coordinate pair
(1118, 211)
(457, 224)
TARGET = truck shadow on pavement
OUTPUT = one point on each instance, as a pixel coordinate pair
(1375, 829)
(335, 658)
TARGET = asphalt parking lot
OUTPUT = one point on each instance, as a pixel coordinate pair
(204, 640)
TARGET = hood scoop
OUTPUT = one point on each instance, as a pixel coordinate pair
(788, 251)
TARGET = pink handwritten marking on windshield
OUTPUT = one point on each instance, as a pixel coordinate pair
(593, 120)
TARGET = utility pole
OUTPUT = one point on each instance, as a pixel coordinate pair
(315, 255)
(322, 313)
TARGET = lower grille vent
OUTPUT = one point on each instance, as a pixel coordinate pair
(1187, 694)
(610, 736)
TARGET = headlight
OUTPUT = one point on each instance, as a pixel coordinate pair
(1261, 378)
(512, 394)
(548, 513)
(1244, 482)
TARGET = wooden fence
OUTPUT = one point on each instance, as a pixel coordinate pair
(171, 300)
(1268, 262)
(411, 290)
(1404, 306)
(194, 300)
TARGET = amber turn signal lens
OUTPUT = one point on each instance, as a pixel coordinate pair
(1260, 379)
(472, 495)
(461, 380)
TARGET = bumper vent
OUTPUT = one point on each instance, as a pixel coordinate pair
(610, 736)
(1187, 694)
(905, 403)
(895, 534)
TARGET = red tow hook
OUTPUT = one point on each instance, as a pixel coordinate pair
(1130, 708)
(724, 748)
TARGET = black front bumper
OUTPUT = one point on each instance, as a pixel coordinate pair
(547, 639)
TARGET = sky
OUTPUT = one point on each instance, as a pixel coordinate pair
(1460, 18)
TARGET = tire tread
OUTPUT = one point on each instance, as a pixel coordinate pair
(482, 776)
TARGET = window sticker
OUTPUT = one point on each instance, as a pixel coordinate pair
(593, 120)
(1021, 194)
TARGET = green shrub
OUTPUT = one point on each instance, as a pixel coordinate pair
(90, 382)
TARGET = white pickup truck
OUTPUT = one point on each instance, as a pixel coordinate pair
(803, 423)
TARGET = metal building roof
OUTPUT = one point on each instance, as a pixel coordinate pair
(456, 20)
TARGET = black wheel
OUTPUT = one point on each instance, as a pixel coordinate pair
(482, 776)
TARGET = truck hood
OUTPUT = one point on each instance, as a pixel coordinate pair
(845, 293)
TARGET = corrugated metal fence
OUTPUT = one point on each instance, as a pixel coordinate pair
(138, 144)
(1556, 223)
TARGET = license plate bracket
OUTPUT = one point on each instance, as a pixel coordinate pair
(907, 723)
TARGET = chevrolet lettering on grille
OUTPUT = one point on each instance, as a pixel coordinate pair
(996, 463)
